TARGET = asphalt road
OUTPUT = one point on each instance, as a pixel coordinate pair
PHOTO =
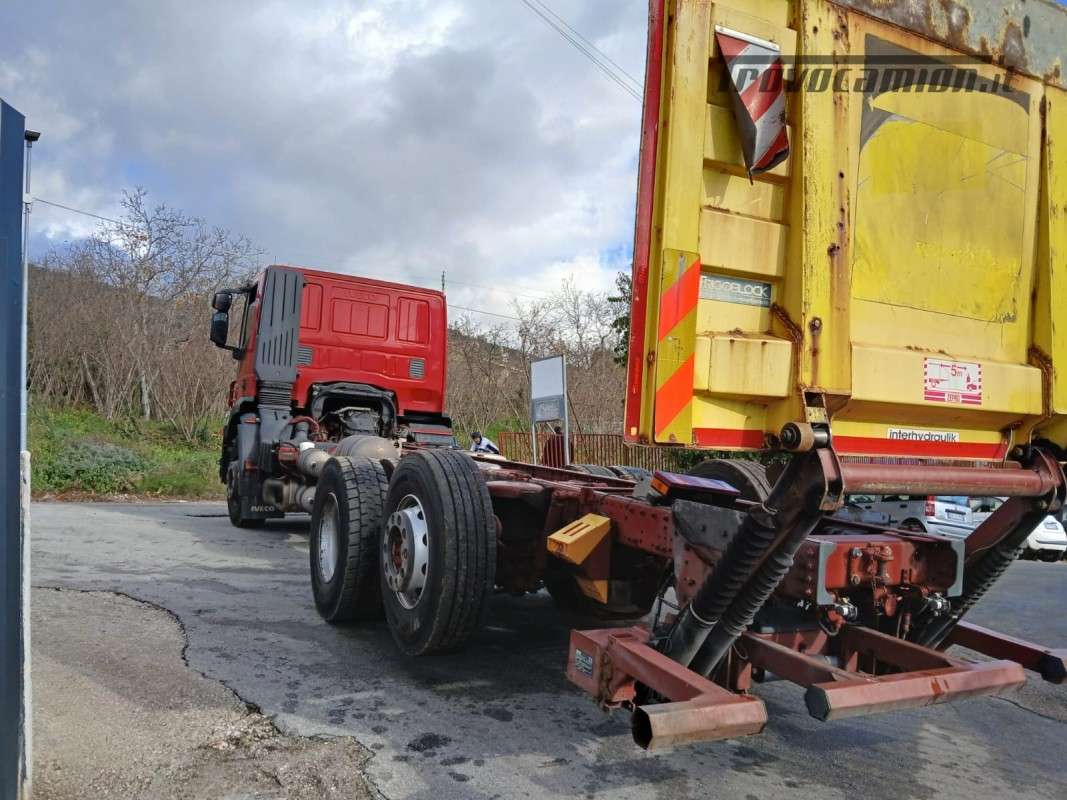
(500, 720)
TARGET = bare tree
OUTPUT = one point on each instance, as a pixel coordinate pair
(117, 320)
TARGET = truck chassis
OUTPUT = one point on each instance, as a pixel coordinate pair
(736, 578)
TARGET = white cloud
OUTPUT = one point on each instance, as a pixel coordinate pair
(395, 138)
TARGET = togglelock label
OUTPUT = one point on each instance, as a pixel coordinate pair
(735, 290)
(909, 435)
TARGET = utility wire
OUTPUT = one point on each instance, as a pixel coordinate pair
(618, 68)
(496, 289)
(479, 311)
(75, 210)
(591, 54)
(116, 222)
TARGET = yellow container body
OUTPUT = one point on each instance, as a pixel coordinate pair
(902, 275)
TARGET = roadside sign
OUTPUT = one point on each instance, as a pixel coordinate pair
(548, 400)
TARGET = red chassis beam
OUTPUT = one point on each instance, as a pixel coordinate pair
(609, 663)
(1051, 664)
(912, 676)
(859, 671)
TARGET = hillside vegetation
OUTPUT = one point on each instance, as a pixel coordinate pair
(76, 452)
(129, 393)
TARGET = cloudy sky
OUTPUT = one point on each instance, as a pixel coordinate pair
(391, 138)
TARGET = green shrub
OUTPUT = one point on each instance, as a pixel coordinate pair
(95, 467)
(77, 450)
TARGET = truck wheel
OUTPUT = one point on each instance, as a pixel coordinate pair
(346, 526)
(438, 551)
(233, 504)
(748, 477)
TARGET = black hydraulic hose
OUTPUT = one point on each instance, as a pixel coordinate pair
(761, 528)
(979, 579)
(742, 612)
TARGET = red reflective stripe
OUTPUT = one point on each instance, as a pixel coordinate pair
(729, 46)
(728, 437)
(758, 99)
(646, 185)
(672, 397)
(871, 445)
(680, 299)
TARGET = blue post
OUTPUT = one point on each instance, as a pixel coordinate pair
(14, 708)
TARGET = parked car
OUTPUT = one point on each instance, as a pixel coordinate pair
(953, 516)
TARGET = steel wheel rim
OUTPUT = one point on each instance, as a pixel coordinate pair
(406, 551)
(329, 539)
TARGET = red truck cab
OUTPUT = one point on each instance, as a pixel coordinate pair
(357, 330)
(324, 358)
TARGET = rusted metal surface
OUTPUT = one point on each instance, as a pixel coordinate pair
(1051, 664)
(639, 525)
(871, 563)
(801, 668)
(841, 569)
(861, 696)
(514, 490)
(896, 674)
(609, 664)
(702, 719)
(1025, 36)
(915, 479)
(605, 449)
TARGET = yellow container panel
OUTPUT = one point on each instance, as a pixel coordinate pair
(897, 274)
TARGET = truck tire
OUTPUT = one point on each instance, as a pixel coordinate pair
(346, 526)
(630, 473)
(748, 477)
(233, 503)
(438, 551)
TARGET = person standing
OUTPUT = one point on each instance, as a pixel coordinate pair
(552, 454)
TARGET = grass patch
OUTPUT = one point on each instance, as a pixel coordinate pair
(76, 451)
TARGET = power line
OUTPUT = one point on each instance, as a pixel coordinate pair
(589, 52)
(75, 210)
(618, 68)
(459, 308)
(479, 311)
(497, 289)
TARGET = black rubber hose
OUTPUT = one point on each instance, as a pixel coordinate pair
(742, 612)
(762, 527)
(711, 601)
(981, 577)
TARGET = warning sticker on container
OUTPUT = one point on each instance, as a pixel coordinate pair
(583, 662)
(952, 381)
(735, 290)
(911, 435)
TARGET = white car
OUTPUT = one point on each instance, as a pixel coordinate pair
(952, 516)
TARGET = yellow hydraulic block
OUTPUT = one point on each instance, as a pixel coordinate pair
(585, 544)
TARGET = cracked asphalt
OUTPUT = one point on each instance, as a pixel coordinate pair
(500, 720)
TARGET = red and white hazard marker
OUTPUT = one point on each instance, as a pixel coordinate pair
(758, 93)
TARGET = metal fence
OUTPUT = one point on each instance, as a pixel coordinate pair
(606, 449)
